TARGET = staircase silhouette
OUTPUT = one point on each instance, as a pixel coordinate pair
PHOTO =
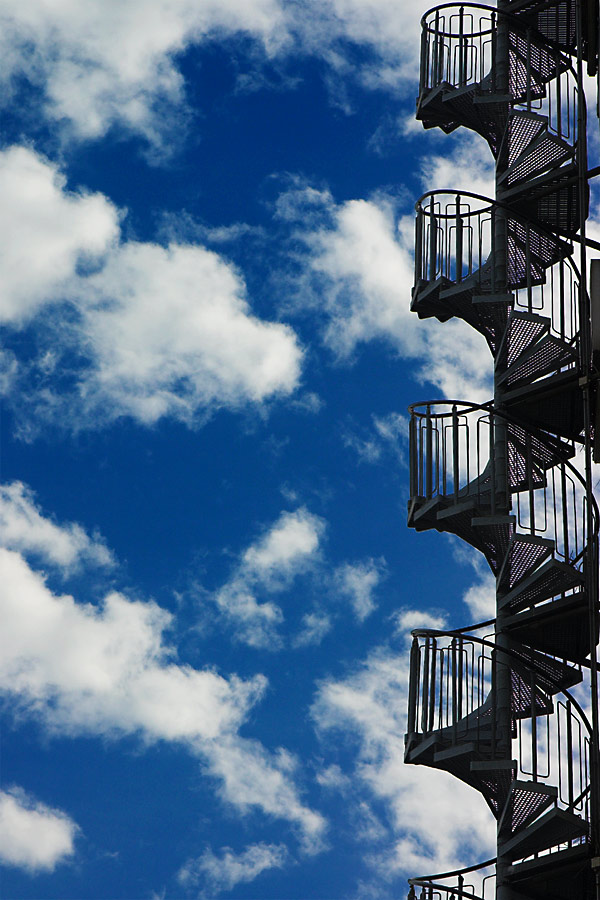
(502, 476)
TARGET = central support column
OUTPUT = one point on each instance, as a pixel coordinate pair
(501, 672)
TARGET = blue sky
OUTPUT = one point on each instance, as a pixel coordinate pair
(208, 585)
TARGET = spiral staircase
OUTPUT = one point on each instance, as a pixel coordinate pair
(510, 706)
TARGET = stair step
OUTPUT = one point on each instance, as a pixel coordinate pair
(523, 128)
(524, 703)
(523, 330)
(525, 553)
(529, 457)
(495, 534)
(554, 404)
(551, 675)
(548, 581)
(493, 779)
(560, 628)
(545, 357)
(525, 802)
(544, 151)
(555, 827)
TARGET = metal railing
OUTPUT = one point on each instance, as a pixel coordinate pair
(450, 683)
(456, 243)
(454, 455)
(458, 51)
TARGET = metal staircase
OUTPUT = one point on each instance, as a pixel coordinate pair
(496, 705)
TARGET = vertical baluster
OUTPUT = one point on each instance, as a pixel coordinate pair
(432, 684)
(413, 685)
(433, 244)
(559, 97)
(454, 685)
(459, 241)
(455, 452)
(570, 756)
(565, 513)
(534, 747)
(425, 688)
(412, 456)
(428, 454)
(462, 67)
(530, 482)
(492, 466)
(459, 699)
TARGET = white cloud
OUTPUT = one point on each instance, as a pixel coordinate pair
(361, 272)
(469, 167)
(369, 709)
(222, 872)
(252, 777)
(289, 546)
(47, 231)
(156, 331)
(356, 582)
(104, 62)
(23, 528)
(107, 670)
(33, 836)
(314, 628)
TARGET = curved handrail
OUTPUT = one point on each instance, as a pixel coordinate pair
(505, 207)
(533, 430)
(438, 632)
(430, 881)
(496, 13)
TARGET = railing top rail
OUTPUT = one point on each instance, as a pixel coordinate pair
(437, 632)
(455, 872)
(495, 14)
(462, 406)
(536, 432)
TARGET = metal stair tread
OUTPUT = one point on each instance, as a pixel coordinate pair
(552, 578)
(552, 829)
(525, 802)
(544, 357)
(525, 553)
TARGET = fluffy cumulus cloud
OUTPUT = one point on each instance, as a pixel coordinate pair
(23, 527)
(221, 872)
(47, 232)
(369, 707)
(109, 670)
(154, 331)
(33, 836)
(106, 669)
(356, 583)
(104, 62)
(359, 271)
(287, 548)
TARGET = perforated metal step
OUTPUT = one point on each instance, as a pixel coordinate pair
(525, 553)
(546, 357)
(548, 581)
(553, 828)
(538, 150)
(525, 802)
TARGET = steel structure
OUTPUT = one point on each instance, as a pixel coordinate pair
(510, 706)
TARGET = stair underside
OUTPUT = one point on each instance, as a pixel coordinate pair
(550, 580)
(560, 628)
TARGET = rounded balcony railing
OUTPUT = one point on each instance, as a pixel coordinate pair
(459, 236)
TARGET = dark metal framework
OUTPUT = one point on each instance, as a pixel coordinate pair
(510, 706)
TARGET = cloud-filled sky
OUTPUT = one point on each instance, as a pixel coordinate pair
(207, 584)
